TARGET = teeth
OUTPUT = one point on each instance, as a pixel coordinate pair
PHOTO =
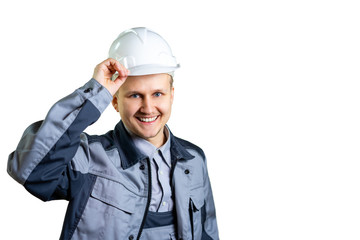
(148, 119)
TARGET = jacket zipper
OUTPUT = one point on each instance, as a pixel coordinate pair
(149, 193)
(172, 173)
(191, 214)
(148, 200)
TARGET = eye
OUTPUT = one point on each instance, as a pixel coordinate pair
(134, 96)
(157, 94)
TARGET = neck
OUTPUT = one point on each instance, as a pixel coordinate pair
(159, 140)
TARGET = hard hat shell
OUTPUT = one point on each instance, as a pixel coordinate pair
(143, 52)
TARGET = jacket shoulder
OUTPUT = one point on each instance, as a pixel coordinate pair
(190, 146)
(106, 140)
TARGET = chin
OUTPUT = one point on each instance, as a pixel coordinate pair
(146, 130)
(148, 135)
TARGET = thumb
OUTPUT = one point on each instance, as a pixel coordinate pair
(123, 77)
(120, 79)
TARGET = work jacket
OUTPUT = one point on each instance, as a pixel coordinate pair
(105, 178)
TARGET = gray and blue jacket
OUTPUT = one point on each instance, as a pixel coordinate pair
(105, 178)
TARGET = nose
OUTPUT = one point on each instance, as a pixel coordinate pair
(147, 105)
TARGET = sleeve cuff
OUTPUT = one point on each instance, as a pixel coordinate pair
(99, 96)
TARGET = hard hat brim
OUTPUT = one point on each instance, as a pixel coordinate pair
(151, 69)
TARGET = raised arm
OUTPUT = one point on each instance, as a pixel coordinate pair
(41, 161)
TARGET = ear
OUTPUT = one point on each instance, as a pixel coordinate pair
(115, 103)
(172, 95)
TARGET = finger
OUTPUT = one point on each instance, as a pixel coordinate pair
(111, 65)
(115, 65)
(119, 81)
(121, 69)
(124, 71)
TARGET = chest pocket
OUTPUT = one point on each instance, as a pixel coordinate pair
(114, 196)
(110, 205)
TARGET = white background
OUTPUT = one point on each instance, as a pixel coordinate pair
(269, 89)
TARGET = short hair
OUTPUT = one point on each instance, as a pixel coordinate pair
(171, 80)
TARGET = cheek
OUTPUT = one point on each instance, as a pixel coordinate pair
(165, 107)
(127, 108)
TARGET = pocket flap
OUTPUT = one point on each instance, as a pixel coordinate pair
(197, 198)
(114, 194)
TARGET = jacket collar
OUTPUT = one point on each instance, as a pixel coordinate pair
(130, 154)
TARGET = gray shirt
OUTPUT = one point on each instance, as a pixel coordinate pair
(160, 159)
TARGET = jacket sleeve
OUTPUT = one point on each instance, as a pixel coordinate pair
(208, 215)
(42, 159)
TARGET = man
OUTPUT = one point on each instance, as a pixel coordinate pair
(138, 181)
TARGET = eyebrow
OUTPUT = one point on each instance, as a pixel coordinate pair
(131, 92)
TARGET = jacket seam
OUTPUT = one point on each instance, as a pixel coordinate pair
(82, 209)
(204, 235)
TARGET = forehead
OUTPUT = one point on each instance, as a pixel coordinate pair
(146, 83)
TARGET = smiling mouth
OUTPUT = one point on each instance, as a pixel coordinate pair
(147, 120)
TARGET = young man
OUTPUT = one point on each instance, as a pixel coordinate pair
(137, 181)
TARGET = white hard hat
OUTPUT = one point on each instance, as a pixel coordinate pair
(143, 52)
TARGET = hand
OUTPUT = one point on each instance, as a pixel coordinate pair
(105, 70)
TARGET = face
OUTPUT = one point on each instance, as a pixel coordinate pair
(144, 104)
